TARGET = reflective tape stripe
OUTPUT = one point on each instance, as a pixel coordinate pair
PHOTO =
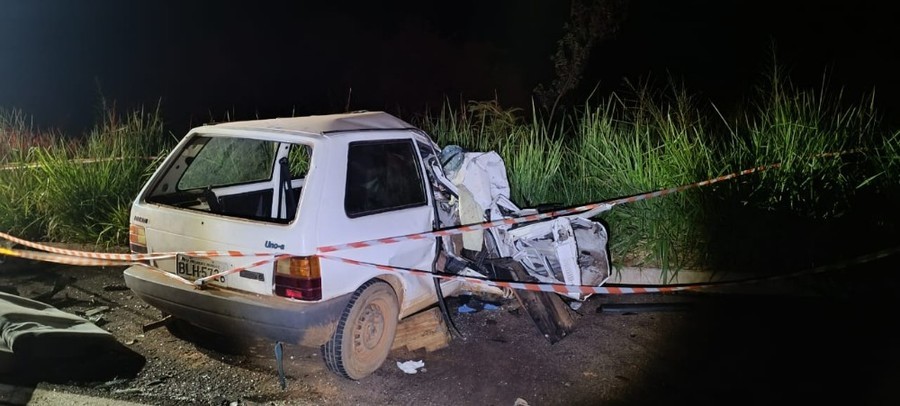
(200, 281)
(131, 257)
(541, 216)
(622, 290)
(529, 286)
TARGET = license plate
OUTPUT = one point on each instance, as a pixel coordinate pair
(196, 267)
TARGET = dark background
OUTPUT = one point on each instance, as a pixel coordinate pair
(204, 59)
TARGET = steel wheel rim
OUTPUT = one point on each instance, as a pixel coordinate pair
(368, 329)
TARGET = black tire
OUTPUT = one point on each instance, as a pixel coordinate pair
(365, 333)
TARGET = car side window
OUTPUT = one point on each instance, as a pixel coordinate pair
(382, 176)
(299, 158)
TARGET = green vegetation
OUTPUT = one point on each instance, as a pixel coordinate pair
(837, 173)
(76, 190)
(835, 190)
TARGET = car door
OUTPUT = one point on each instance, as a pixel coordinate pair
(385, 195)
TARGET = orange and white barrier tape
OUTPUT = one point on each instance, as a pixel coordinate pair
(167, 274)
(619, 290)
(85, 258)
(16, 166)
(541, 216)
(418, 236)
(201, 281)
(131, 257)
(81, 261)
(528, 286)
(60, 259)
(562, 212)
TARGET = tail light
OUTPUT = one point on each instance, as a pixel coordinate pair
(298, 278)
(137, 239)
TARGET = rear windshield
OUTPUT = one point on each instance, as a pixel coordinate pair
(236, 177)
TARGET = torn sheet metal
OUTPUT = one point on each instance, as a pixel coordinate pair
(570, 250)
(480, 178)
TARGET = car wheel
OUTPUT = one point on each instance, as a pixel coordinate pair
(365, 333)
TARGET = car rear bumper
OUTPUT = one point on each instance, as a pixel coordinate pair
(232, 312)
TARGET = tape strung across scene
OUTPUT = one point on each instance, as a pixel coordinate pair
(201, 281)
(86, 258)
(624, 290)
(530, 286)
(81, 261)
(362, 244)
(20, 166)
(131, 257)
(604, 205)
(61, 259)
(542, 216)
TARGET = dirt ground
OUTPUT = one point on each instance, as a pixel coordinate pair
(750, 348)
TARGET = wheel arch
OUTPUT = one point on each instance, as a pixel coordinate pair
(397, 284)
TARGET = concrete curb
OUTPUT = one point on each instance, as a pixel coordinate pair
(656, 276)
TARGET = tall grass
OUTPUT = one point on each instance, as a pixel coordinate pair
(839, 173)
(533, 152)
(834, 160)
(819, 143)
(21, 186)
(535, 159)
(475, 126)
(630, 147)
(81, 191)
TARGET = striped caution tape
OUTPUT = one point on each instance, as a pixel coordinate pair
(541, 216)
(87, 258)
(529, 286)
(60, 259)
(565, 212)
(81, 261)
(418, 236)
(18, 166)
(131, 257)
(620, 290)
(200, 281)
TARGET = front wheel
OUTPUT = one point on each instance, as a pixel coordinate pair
(365, 333)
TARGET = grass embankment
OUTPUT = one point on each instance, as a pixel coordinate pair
(832, 194)
(76, 190)
(813, 208)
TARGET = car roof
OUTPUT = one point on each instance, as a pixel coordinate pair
(323, 124)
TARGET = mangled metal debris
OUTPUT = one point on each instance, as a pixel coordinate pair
(569, 250)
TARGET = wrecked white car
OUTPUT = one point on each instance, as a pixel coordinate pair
(289, 186)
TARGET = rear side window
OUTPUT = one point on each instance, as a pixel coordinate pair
(382, 176)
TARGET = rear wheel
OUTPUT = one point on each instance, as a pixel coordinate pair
(365, 332)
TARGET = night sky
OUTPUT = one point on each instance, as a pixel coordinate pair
(203, 59)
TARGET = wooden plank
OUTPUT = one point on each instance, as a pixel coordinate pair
(425, 329)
